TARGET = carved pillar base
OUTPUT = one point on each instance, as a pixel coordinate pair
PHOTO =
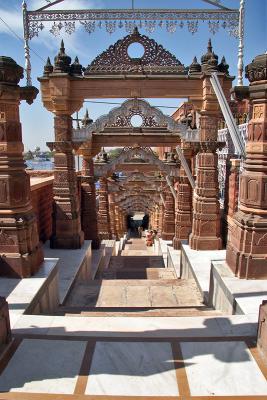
(247, 246)
(21, 252)
(206, 228)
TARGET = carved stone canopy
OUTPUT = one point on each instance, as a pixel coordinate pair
(155, 60)
(257, 69)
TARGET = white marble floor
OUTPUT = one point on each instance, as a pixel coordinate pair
(44, 366)
(132, 369)
(222, 369)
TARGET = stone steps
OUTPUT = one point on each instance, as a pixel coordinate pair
(135, 293)
(138, 312)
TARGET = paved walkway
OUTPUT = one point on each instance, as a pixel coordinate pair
(137, 279)
(100, 346)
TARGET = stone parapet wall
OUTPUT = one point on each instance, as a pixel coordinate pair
(42, 202)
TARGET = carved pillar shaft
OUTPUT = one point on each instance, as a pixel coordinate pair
(246, 251)
(183, 209)
(88, 203)
(161, 218)
(103, 210)
(112, 216)
(169, 217)
(67, 233)
(20, 251)
(206, 227)
(117, 220)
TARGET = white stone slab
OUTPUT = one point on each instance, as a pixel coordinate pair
(132, 369)
(19, 293)
(69, 264)
(43, 366)
(200, 262)
(248, 293)
(222, 369)
(149, 327)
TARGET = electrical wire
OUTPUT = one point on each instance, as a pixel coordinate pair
(116, 103)
(20, 39)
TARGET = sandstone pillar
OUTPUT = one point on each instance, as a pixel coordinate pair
(67, 233)
(231, 197)
(183, 209)
(20, 251)
(247, 243)
(206, 227)
(88, 202)
(112, 216)
(169, 217)
(103, 210)
(161, 218)
(117, 221)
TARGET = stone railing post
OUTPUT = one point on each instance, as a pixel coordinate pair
(20, 252)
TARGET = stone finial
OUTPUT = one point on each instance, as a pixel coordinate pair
(223, 66)
(76, 68)
(86, 120)
(10, 71)
(209, 61)
(102, 157)
(257, 69)
(62, 60)
(48, 68)
(195, 67)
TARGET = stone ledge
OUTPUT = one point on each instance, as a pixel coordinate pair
(197, 264)
(27, 295)
(149, 327)
(72, 265)
(231, 294)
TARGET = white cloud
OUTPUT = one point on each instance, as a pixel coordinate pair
(13, 17)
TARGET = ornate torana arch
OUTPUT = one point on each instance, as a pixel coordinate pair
(120, 117)
(127, 154)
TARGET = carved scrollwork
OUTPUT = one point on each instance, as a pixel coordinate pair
(116, 60)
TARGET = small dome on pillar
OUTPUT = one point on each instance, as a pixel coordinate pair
(76, 68)
(10, 71)
(62, 60)
(86, 120)
(223, 66)
(48, 68)
(195, 67)
(209, 61)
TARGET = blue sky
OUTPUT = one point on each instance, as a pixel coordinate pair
(38, 122)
